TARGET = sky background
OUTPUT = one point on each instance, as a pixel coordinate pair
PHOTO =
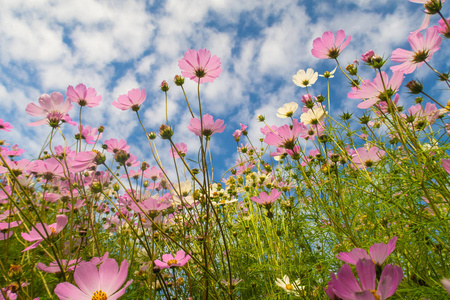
(114, 46)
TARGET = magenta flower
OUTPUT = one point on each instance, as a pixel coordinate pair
(345, 286)
(132, 100)
(375, 91)
(103, 283)
(378, 253)
(181, 148)
(52, 107)
(199, 64)
(169, 261)
(209, 126)
(367, 158)
(265, 199)
(82, 96)
(328, 47)
(41, 231)
(4, 227)
(5, 126)
(423, 50)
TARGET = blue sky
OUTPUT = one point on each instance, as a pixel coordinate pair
(115, 46)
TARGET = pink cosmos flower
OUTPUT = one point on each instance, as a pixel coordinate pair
(41, 231)
(103, 283)
(53, 267)
(4, 227)
(209, 126)
(374, 91)
(5, 126)
(169, 261)
(52, 107)
(113, 145)
(328, 47)
(378, 253)
(182, 149)
(345, 286)
(199, 64)
(153, 173)
(423, 50)
(443, 28)
(132, 100)
(366, 57)
(82, 161)
(446, 165)
(48, 168)
(265, 199)
(150, 205)
(367, 158)
(426, 19)
(82, 96)
(89, 134)
(284, 136)
(17, 167)
(424, 117)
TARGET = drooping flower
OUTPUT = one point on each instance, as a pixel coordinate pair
(200, 65)
(423, 50)
(133, 99)
(378, 253)
(345, 286)
(443, 28)
(82, 96)
(327, 47)
(288, 286)
(41, 231)
(209, 126)
(100, 284)
(431, 7)
(375, 91)
(5, 126)
(52, 107)
(169, 261)
(304, 79)
(287, 110)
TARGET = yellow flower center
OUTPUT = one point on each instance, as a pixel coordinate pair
(99, 295)
(222, 201)
(289, 287)
(53, 230)
(171, 262)
(375, 294)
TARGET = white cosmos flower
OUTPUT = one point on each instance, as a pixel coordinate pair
(290, 288)
(287, 110)
(328, 74)
(304, 79)
(313, 116)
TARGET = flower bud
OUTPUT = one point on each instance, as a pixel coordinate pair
(101, 129)
(165, 131)
(415, 87)
(433, 6)
(121, 156)
(179, 80)
(352, 69)
(151, 135)
(164, 86)
(261, 118)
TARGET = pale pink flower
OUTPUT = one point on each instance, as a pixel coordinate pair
(426, 19)
(378, 253)
(103, 283)
(181, 148)
(113, 145)
(209, 126)
(199, 64)
(53, 267)
(265, 199)
(328, 47)
(41, 231)
(89, 134)
(48, 168)
(367, 158)
(132, 100)
(285, 136)
(366, 57)
(82, 161)
(423, 50)
(424, 117)
(4, 227)
(82, 96)
(52, 107)
(153, 173)
(169, 261)
(375, 91)
(446, 165)
(443, 28)
(5, 126)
